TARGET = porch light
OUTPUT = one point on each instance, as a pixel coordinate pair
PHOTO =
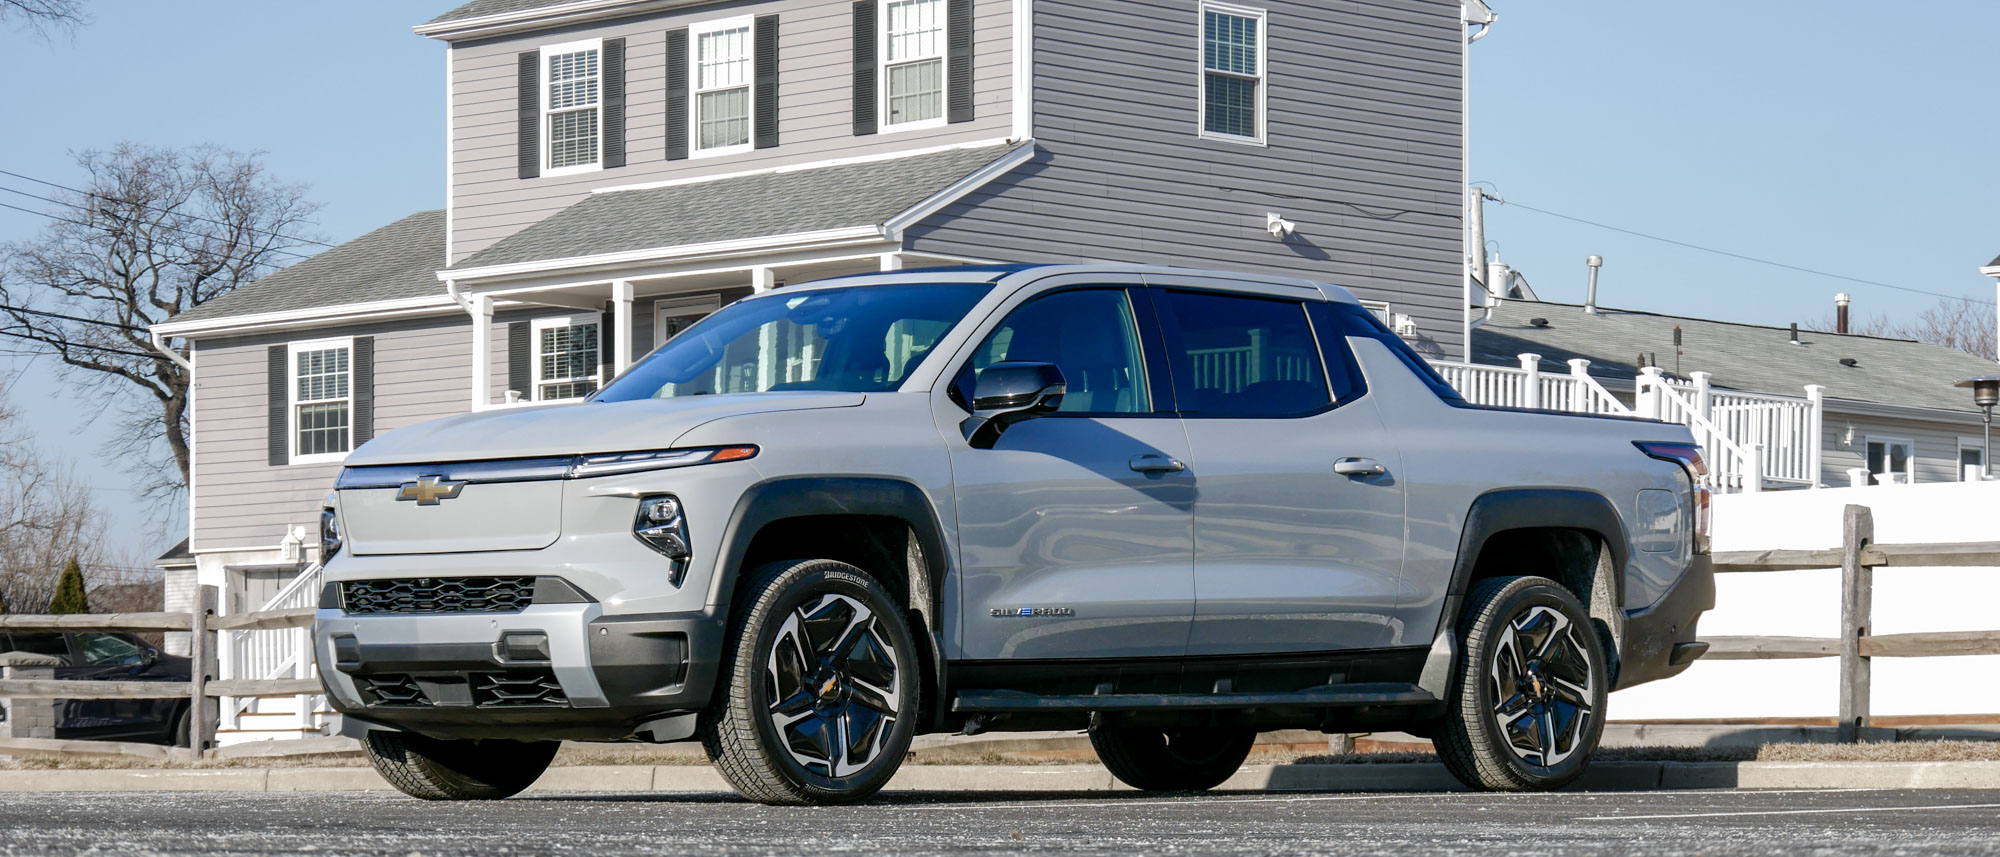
(1985, 394)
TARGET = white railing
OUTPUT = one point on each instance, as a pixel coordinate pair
(274, 654)
(1787, 428)
(1232, 370)
(1732, 466)
(1530, 387)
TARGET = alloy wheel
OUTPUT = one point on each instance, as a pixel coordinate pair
(1542, 686)
(833, 686)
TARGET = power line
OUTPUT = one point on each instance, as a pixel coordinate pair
(93, 226)
(75, 318)
(1740, 256)
(163, 210)
(59, 345)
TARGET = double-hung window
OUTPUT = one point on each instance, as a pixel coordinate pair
(722, 93)
(1892, 460)
(566, 357)
(1232, 73)
(572, 121)
(913, 64)
(322, 405)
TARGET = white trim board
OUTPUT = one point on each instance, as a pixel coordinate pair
(809, 165)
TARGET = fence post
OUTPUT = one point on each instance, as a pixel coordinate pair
(1857, 595)
(1753, 469)
(1815, 424)
(201, 658)
(1702, 402)
(1531, 393)
(1649, 399)
(28, 717)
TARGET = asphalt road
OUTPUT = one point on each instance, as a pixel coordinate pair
(346, 823)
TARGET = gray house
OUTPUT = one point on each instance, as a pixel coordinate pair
(620, 168)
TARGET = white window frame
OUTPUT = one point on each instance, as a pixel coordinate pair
(680, 305)
(1976, 444)
(292, 402)
(1910, 475)
(882, 64)
(548, 125)
(1263, 72)
(695, 32)
(535, 353)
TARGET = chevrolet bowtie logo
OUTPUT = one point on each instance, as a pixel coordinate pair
(430, 490)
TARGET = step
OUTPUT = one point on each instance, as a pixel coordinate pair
(1326, 696)
(314, 729)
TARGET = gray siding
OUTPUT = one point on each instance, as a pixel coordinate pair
(422, 371)
(1936, 445)
(815, 122)
(1364, 153)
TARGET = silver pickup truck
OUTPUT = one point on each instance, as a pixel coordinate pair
(1172, 507)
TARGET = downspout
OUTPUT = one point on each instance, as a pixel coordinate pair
(160, 345)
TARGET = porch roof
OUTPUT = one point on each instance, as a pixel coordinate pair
(744, 208)
(1747, 357)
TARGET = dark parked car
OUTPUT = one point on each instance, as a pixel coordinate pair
(111, 656)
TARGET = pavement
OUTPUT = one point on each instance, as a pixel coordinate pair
(368, 824)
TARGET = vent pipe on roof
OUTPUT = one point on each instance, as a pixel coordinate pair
(1795, 334)
(1840, 302)
(1590, 298)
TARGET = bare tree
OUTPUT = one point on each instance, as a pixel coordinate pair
(44, 17)
(46, 517)
(155, 232)
(1959, 323)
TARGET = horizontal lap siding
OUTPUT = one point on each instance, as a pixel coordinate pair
(1364, 153)
(815, 120)
(422, 371)
(1936, 446)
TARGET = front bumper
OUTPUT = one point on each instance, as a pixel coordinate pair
(1660, 640)
(547, 671)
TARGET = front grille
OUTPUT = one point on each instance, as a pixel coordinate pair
(439, 595)
(393, 690)
(501, 690)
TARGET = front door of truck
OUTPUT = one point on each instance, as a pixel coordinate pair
(1075, 529)
(1299, 524)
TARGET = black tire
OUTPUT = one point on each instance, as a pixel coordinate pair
(1185, 760)
(819, 710)
(177, 732)
(1532, 660)
(435, 769)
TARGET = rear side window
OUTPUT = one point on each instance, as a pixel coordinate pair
(1239, 356)
(42, 644)
(1356, 321)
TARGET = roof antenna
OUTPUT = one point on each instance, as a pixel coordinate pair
(1590, 300)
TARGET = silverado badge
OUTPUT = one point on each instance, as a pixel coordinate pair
(1032, 611)
(430, 490)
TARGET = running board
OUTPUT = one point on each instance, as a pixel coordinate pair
(1327, 696)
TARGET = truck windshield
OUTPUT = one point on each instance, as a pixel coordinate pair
(861, 339)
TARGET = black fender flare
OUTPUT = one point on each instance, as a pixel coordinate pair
(779, 499)
(1505, 509)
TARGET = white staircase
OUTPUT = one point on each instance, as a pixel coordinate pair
(1752, 441)
(281, 654)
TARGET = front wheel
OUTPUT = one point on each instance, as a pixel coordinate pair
(435, 769)
(1172, 760)
(1527, 706)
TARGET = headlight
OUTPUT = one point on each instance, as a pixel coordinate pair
(588, 466)
(329, 534)
(661, 526)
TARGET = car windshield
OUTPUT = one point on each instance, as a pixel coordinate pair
(861, 339)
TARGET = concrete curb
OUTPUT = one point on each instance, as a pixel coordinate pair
(607, 779)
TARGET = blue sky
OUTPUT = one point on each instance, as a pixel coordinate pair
(1850, 137)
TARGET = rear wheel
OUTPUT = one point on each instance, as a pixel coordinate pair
(1172, 760)
(1527, 706)
(434, 769)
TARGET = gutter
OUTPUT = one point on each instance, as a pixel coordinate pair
(545, 17)
(160, 345)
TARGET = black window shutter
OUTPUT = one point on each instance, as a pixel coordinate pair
(520, 357)
(864, 67)
(958, 60)
(278, 405)
(528, 112)
(766, 133)
(614, 102)
(677, 94)
(362, 363)
(607, 339)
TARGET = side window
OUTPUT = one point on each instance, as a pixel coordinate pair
(42, 644)
(1240, 356)
(1358, 321)
(100, 649)
(1091, 334)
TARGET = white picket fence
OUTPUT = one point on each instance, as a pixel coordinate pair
(1753, 441)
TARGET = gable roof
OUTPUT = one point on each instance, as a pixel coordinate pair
(483, 8)
(399, 260)
(757, 205)
(1747, 357)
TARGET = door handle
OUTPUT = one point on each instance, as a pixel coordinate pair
(1156, 463)
(1359, 467)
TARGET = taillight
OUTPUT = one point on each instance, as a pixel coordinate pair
(1688, 456)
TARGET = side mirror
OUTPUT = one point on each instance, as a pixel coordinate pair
(1008, 393)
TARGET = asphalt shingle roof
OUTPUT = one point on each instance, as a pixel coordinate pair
(482, 8)
(752, 206)
(399, 260)
(1747, 357)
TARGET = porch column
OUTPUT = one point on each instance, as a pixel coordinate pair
(481, 311)
(621, 321)
(762, 280)
(1816, 422)
(892, 261)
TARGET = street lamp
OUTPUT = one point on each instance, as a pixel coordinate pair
(1985, 394)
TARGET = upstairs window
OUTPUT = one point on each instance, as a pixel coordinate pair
(722, 76)
(571, 100)
(566, 357)
(913, 63)
(322, 400)
(1232, 73)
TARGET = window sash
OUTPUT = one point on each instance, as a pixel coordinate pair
(571, 100)
(1233, 63)
(912, 69)
(567, 357)
(322, 390)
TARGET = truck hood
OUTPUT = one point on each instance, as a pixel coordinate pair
(552, 430)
